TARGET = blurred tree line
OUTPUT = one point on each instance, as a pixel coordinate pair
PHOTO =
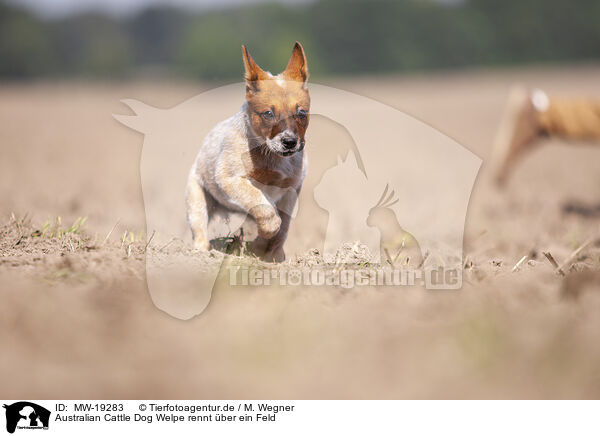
(340, 37)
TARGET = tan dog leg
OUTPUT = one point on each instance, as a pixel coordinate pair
(571, 118)
(518, 133)
(530, 115)
(197, 213)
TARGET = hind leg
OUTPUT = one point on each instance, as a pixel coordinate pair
(197, 214)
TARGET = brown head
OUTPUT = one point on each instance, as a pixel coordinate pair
(278, 106)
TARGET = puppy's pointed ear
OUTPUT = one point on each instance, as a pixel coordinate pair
(296, 68)
(253, 73)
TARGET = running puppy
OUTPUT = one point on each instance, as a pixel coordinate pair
(254, 161)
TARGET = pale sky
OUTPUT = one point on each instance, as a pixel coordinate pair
(60, 8)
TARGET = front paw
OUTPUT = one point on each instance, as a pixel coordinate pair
(268, 226)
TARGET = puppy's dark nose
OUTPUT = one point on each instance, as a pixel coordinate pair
(289, 142)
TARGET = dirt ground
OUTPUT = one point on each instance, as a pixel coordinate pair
(76, 320)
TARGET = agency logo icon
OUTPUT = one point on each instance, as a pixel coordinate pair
(24, 415)
(378, 178)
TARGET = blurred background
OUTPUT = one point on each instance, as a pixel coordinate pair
(78, 302)
(109, 39)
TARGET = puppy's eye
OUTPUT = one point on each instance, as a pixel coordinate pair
(301, 113)
(268, 115)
